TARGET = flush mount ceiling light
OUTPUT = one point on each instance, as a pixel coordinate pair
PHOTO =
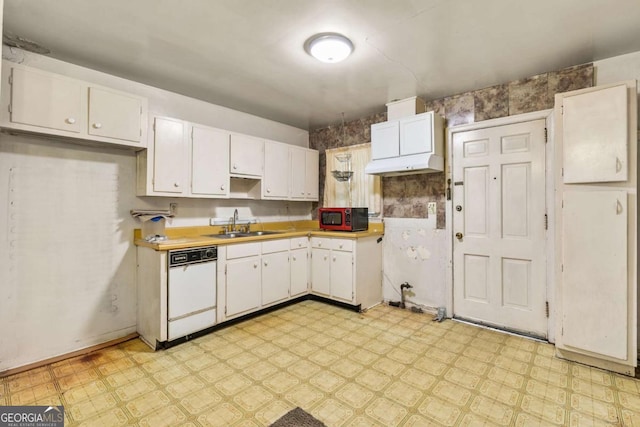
(329, 47)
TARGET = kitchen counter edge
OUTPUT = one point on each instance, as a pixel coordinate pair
(198, 241)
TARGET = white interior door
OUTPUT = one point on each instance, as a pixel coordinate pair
(498, 226)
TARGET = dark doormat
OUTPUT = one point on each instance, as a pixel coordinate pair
(297, 418)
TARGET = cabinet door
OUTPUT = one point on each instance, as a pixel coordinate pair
(275, 183)
(320, 271)
(299, 271)
(246, 155)
(46, 100)
(298, 173)
(170, 153)
(209, 162)
(385, 140)
(312, 175)
(243, 285)
(594, 279)
(595, 137)
(342, 275)
(276, 279)
(415, 134)
(114, 115)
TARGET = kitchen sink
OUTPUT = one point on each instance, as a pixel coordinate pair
(236, 235)
(226, 235)
(261, 233)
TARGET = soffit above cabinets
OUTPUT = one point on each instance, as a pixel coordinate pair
(249, 55)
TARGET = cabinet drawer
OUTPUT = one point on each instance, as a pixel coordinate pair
(299, 242)
(243, 250)
(321, 242)
(342, 245)
(278, 245)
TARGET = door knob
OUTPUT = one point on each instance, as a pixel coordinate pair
(459, 236)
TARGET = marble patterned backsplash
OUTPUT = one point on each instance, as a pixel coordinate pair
(408, 196)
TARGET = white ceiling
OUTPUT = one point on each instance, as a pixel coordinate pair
(248, 54)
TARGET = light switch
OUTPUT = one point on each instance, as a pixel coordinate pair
(431, 208)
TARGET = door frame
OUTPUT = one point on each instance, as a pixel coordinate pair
(549, 154)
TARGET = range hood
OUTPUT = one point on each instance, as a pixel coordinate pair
(406, 165)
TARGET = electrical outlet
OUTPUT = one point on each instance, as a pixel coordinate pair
(431, 208)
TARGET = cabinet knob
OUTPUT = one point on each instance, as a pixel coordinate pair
(235, 166)
(265, 263)
(176, 184)
(70, 120)
(334, 259)
(341, 244)
(255, 265)
(459, 236)
(97, 125)
(319, 243)
(302, 192)
(294, 258)
(308, 194)
(222, 187)
(325, 257)
(268, 190)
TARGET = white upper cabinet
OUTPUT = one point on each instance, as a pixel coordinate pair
(209, 162)
(275, 183)
(114, 115)
(416, 134)
(170, 155)
(421, 133)
(304, 174)
(184, 159)
(246, 155)
(63, 107)
(41, 102)
(595, 136)
(298, 173)
(312, 177)
(385, 140)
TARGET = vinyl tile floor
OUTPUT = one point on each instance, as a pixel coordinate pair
(386, 367)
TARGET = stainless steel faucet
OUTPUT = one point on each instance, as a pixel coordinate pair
(234, 220)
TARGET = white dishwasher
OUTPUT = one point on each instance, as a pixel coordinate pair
(191, 293)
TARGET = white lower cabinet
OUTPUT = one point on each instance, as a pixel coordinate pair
(332, 268)
(261, 274)
(342, 275)
(276, 278)
(335, 273)
(243, 278)
(320, 271)
(299, 266)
